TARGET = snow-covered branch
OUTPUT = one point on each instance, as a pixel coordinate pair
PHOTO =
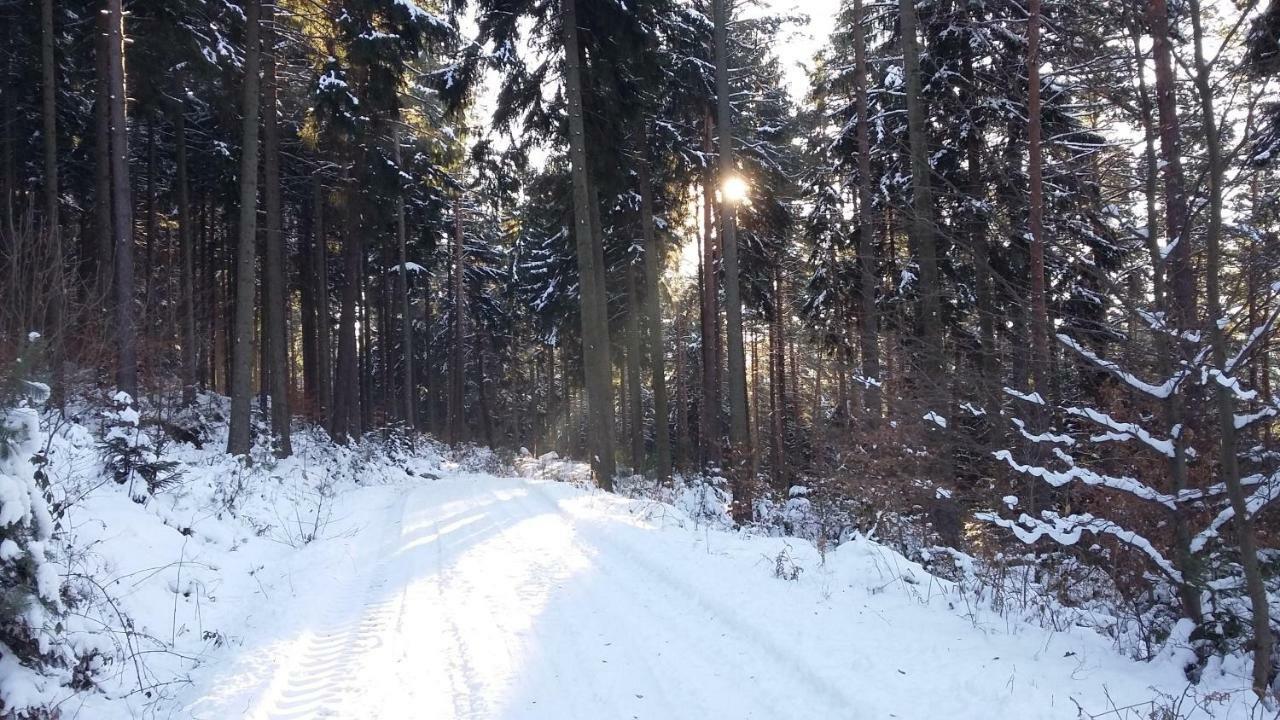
(1058, 478)
(1068, 530)
(1161, 391)
(1263, 496)
(1121, 430)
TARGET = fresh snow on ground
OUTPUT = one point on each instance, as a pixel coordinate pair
(430, 590)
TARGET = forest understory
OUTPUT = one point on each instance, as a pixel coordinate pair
(396, 578)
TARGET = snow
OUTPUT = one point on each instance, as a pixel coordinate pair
(1058, 478)
(498, 597)
(1160, 391)
(1267, 493)
(352, 583)
(1068, 530)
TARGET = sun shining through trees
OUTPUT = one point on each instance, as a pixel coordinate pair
(734, 189)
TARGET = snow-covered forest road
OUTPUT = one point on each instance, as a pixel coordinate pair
(480, 597)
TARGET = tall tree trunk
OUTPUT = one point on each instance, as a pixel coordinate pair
(1039, 320)
(275, 289)
(635, 402)
(817, 419)
(458, 330)
(594, 299)
(1035, 212)
(778, 386)
(320, 272)
(709, 415)
(409, 388)
(239, 438)
(365, 324)
(482, 385)
(8, 131)
(1180, 272)
(346, 381)
(307, 304)
(921, 230)
(189, 363)
(653, 312)
(432, 399)
(121, 204)
(102, 226)
(682, 453)
(739, 434)
(869, 341)
(1152, 180)
(1179, 282)
(757, 442)
(1228, 463)
(976, 232)
(151, 229)
(53, 227)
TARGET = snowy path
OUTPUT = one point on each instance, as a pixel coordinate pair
(478, 597)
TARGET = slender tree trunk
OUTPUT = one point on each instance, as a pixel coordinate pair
(594, 299)
(239, 437)
(817, 419)
(1228, 463)
(275, 289)
(151, 226)
(122, 204)
(709, 415)
(53, 227)
(103, 228)
(347, 381)
(1035, 221)
(482, 386)
(976, 232)
(365, 416)
(635, 400)
(653, 312)
(1152, 179)
(869, 341)
(682, 392)
(1180, 272)
(739, 435)
(307, 304)
(432, 398)
(777, 386)
(8, 129)
(458, 334)
(1179, 278)
(757, 442)
(1035, 213)
(921, 230)
(320, 271)
(409, 387)
(390, 409)
(189, 363)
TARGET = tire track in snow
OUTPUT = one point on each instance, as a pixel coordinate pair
(836, 702)
(317, 681)
(484, 611)
(627, 625)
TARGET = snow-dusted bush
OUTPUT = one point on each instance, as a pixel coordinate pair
(30, 586)
(706, 499)
(1163, 550)
(478, 459)
(130, 455)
